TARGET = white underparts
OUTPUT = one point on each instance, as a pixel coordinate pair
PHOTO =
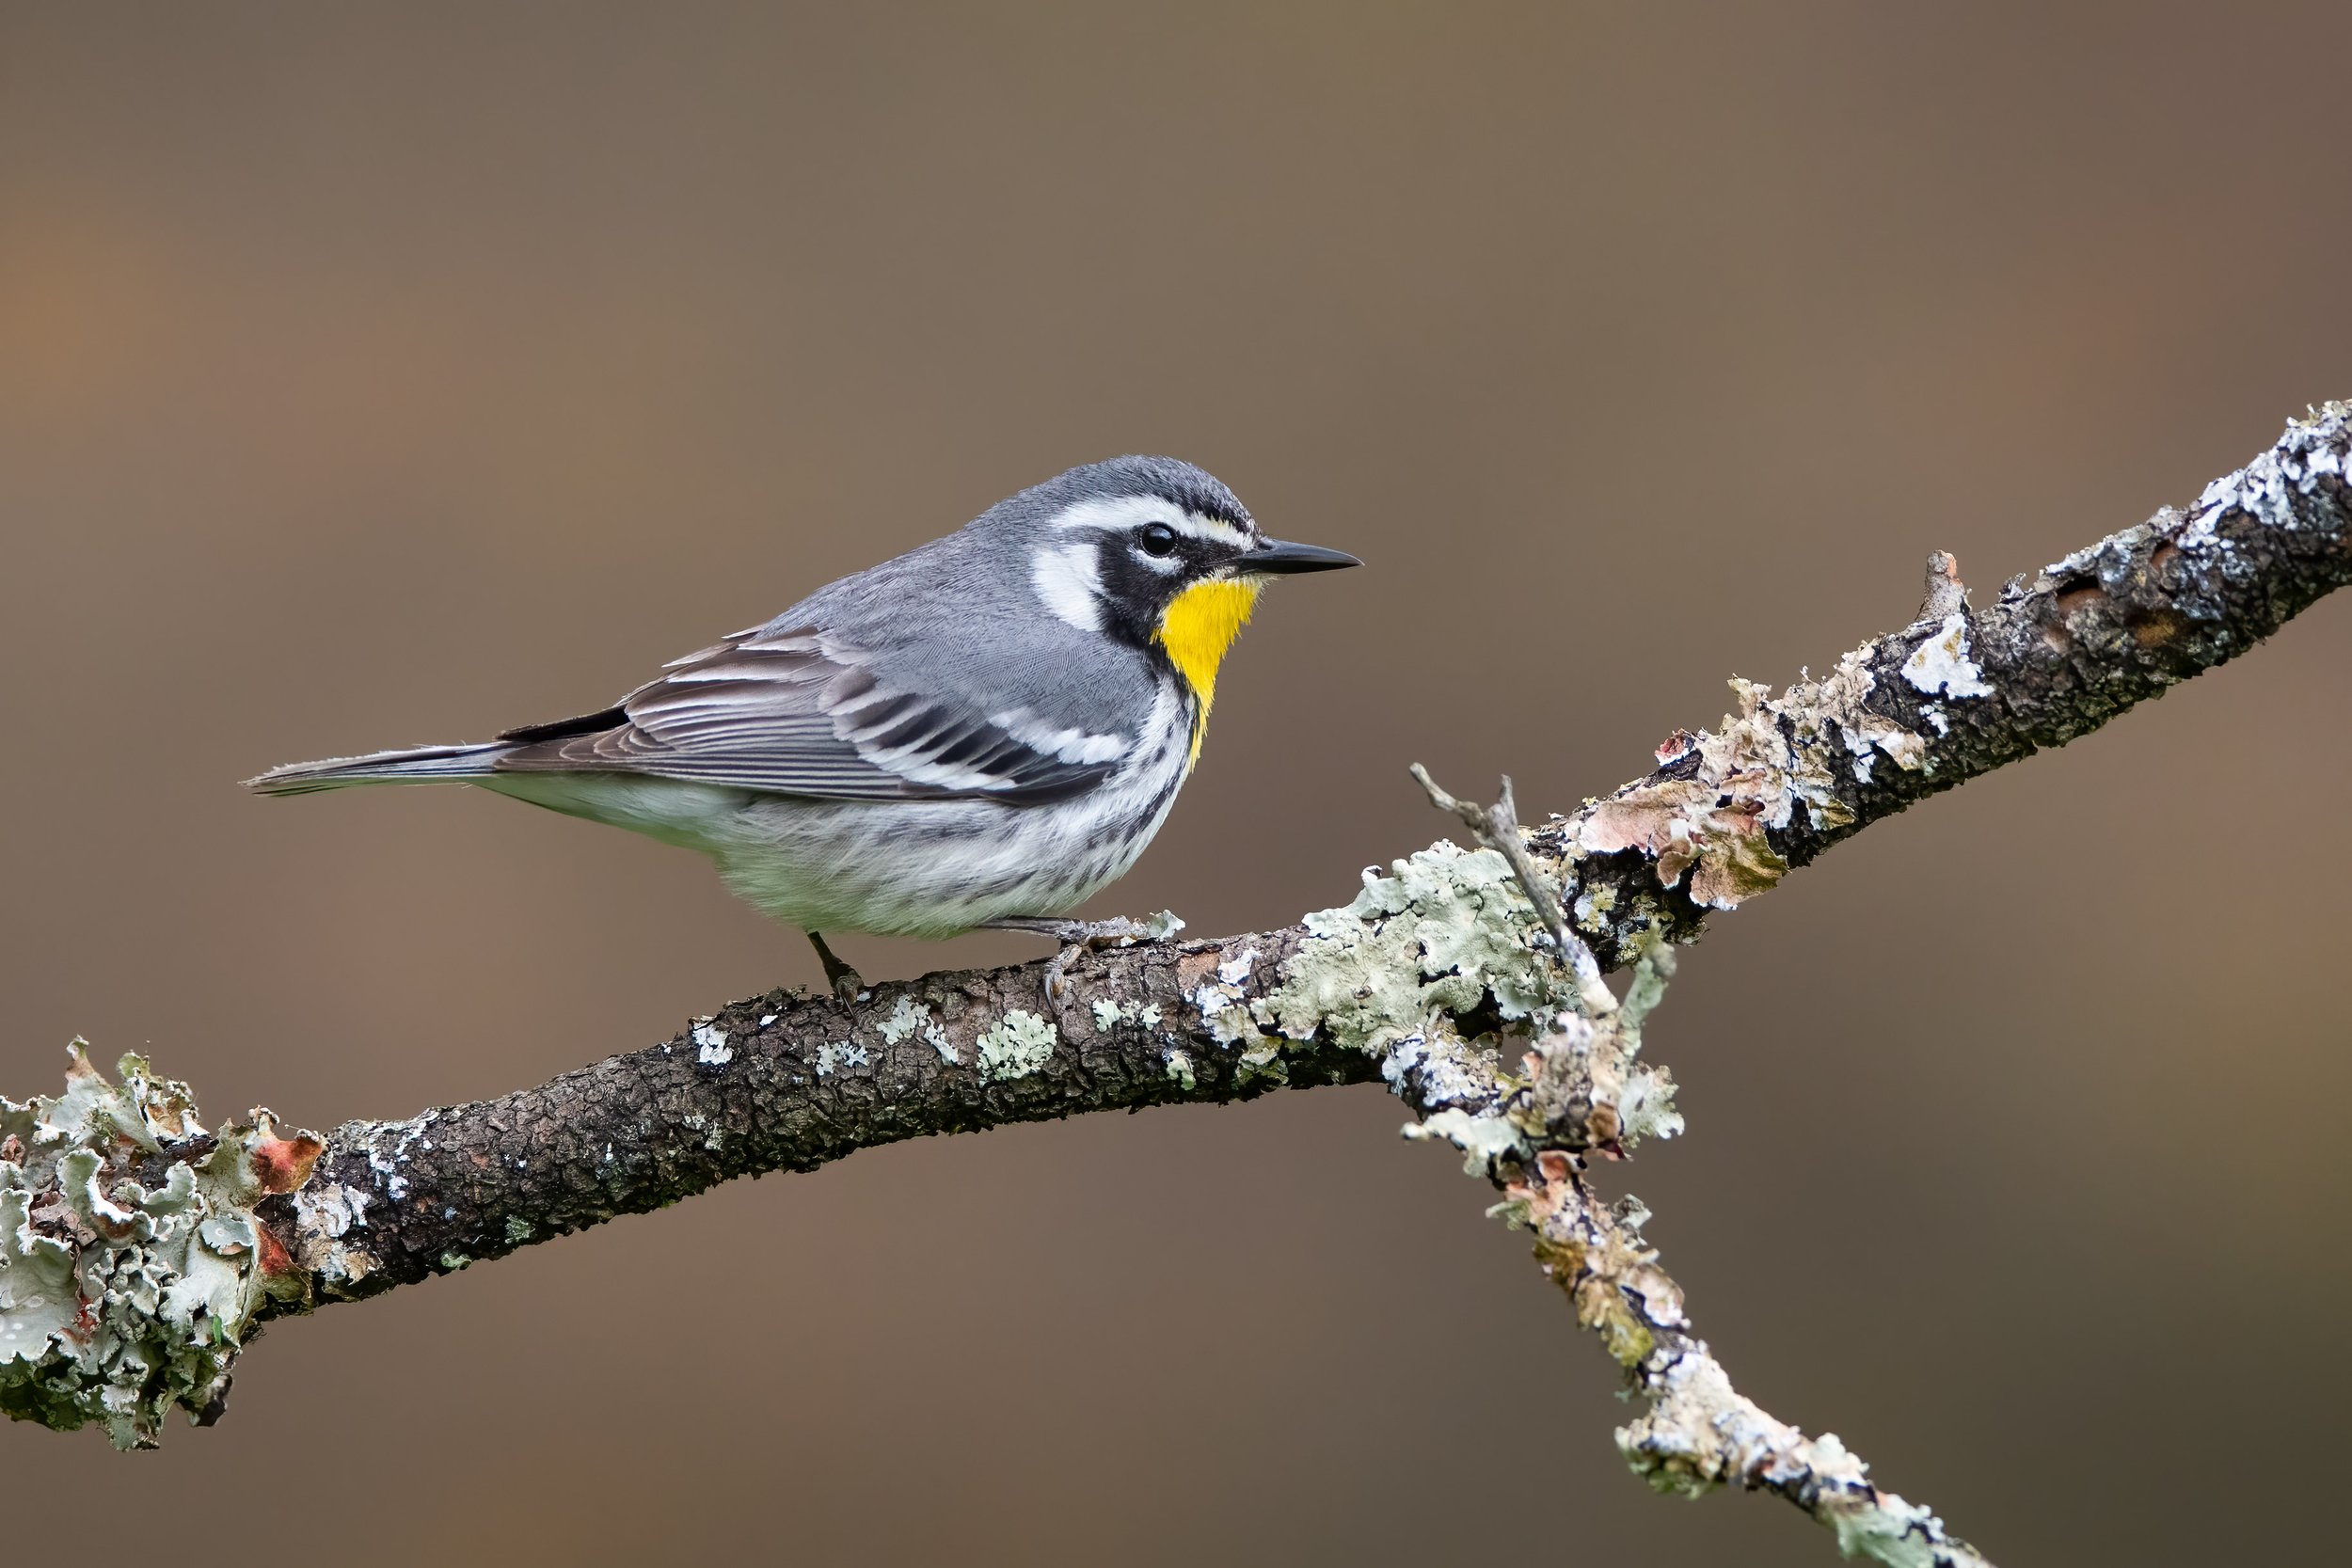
(928, 868)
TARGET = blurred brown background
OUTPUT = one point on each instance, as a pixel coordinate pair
(399, 374)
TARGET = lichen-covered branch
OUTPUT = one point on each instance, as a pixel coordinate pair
(1438, 974)
(131, 1262)
(1582, 1092)
(1958, 692)
(1700, 1432)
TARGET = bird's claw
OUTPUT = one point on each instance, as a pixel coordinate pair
(1086, 936)
(1091, 936)
(846, 983)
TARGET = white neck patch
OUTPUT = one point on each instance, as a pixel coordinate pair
(1069, 578)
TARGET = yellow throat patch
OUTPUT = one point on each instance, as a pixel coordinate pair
(1199, 624)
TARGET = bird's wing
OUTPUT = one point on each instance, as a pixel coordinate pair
(801, 712)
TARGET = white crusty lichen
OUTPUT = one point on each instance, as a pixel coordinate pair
(330, 1220)
(131, 1262)
(710, 1044)
(2313, 449)
(1015, 1046)
(1220, 998)
(1446, 928)
(1941, 662)
(1440, 1070)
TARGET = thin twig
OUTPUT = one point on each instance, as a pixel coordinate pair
(1497, 827)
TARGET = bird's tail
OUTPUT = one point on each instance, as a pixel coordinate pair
(419, 765)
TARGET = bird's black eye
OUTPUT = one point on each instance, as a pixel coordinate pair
(1157, 539)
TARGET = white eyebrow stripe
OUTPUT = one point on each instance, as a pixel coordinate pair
(1215, 529)
(1119, 512)
(1122, 513)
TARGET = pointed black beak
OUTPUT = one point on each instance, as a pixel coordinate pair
(1280, 557)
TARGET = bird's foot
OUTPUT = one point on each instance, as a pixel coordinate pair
(1083, 936)
(844, 981)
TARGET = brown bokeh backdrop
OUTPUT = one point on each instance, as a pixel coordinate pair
(371, 376)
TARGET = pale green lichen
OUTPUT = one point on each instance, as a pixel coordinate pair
(1645, 1104)
(903, 1021)
(1447, 928)
(1223, 1012)
(1109, 1015)
(1702, 1434)
(911, 1017)
(1178, 1068)
(1016, 1046)
(121, 1298)
(1486, 1142)
(833, 1057)
(1262, 1058)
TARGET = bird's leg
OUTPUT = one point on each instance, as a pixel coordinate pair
(840, 976)
(1082, 936)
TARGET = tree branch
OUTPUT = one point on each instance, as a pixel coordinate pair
(788, 1081)
(1435, 972)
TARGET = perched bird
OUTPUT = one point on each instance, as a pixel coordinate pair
(982, 733)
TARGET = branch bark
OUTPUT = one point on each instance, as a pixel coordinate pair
(1429, 980)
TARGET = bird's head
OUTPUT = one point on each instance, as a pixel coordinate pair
(1156, 553)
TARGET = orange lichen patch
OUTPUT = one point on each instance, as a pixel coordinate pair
(1611, 1280)
(282, 1164)
(1716, 827)
(275, 1259)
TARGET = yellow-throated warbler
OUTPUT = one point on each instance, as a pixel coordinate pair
(983, 732)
